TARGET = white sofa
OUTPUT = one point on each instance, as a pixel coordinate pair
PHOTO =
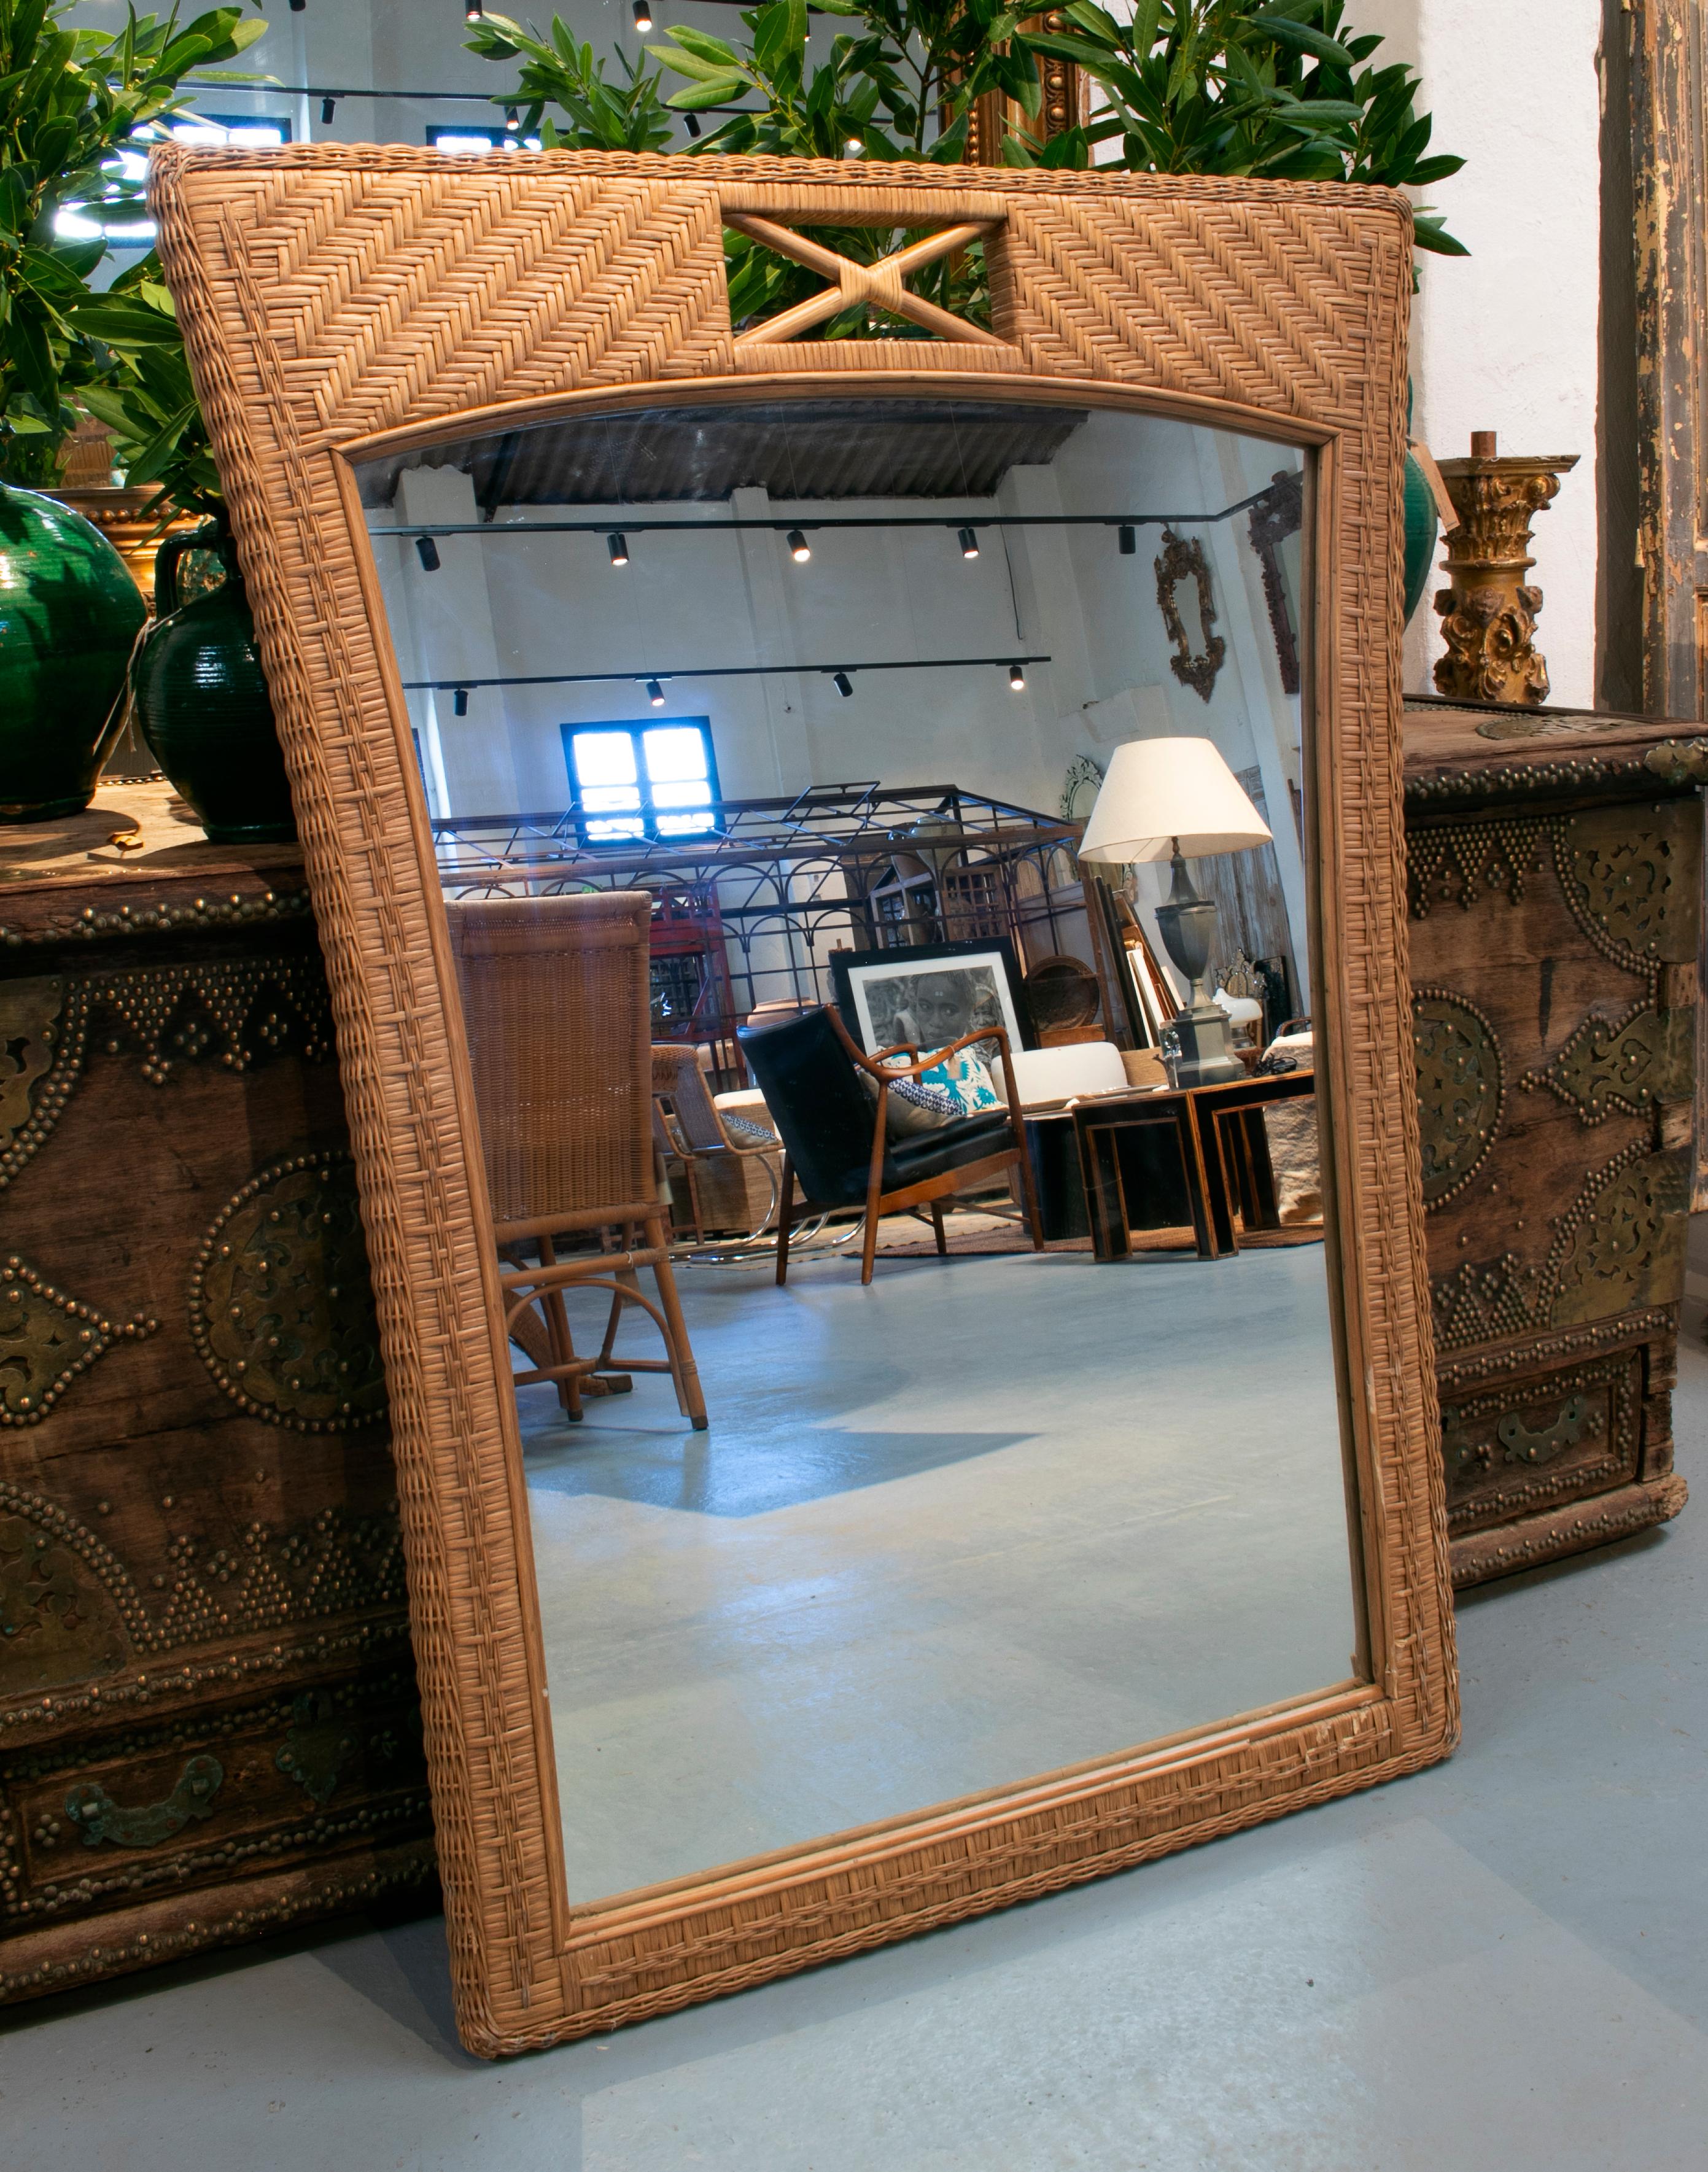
(1045, 1075)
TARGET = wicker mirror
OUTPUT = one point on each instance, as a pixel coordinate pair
(903, 1304)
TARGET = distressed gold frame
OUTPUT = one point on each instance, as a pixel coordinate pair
(339, 301)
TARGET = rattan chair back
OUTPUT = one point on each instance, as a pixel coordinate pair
(677, 1075)
(557, 1011)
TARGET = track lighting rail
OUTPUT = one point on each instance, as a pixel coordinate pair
(794, 521)
(650, 679)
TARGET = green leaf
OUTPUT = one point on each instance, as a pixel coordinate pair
(690, 64)
(1313, 112)
(108, 407)
(1302, 38)
(30, 350)
(119, 319)
(780, 33)
(150, 461)
(723, 90)
(1428, 171)
(1431, 234)
(709, 49)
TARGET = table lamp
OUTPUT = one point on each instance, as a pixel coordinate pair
(1168, 799)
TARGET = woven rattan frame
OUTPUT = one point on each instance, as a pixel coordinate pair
(339, 301)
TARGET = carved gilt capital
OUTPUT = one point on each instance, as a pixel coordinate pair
(1489, 614)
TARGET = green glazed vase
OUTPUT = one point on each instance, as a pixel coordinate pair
(202, 701)
(1420, 525)
(1421, 522)
(69, 614)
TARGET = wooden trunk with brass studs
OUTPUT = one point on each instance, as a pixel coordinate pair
(209, 1726)
(1555, 878)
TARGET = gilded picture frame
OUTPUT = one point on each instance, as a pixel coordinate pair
(339, 301)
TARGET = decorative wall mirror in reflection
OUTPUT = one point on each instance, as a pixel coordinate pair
(904, 1336)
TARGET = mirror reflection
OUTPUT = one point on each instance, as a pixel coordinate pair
(871, 832)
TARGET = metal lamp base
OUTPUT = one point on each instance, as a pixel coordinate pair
(1188, 925)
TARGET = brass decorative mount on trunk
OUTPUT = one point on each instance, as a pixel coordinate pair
(1489, 614)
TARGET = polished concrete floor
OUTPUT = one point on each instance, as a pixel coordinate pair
(990, 1516)
(1498, 1965)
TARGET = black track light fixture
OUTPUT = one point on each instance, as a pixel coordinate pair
(1129, 539)
(513, 120)
(473, 12)
(655, 693)
(1017, 679)
(843, 684)
(460, 702)
(618, 545)
(968, 538)
(693, 121)
(428, 552)
(328, 106)
(643, 17)
(799, 549)
(298, 6)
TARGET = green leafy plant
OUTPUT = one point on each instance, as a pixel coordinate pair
(1278, 91)
(1187, 86)
(70, 102)
(146, 399)
(602, 114)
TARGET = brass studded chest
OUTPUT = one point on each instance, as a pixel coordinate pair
(208, 1719)
(1555, 883)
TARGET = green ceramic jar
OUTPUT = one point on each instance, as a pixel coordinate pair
(1420, 526)
(202, 701)
(69, 614)
(1421, 521)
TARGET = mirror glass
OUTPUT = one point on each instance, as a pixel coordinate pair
(758, 738)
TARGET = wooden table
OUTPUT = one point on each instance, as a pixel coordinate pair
(1218, 1134)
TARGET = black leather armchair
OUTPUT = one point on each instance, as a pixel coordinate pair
(834, 1138)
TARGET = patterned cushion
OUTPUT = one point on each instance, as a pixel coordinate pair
(942, 1093)
(746, 1132)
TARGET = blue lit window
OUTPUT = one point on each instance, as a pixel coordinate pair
(475, 143)
(641, 780)
(231, 131)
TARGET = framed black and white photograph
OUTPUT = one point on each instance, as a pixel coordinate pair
(932, 993)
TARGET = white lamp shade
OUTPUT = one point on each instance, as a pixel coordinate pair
(1159, 790)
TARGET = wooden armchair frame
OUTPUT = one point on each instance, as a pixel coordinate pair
(930, 1191)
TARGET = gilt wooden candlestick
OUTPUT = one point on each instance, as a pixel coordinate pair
(1488, 615)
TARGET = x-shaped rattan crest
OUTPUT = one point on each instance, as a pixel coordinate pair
(878, 284)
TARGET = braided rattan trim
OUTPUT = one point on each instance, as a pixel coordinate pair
(334, 291)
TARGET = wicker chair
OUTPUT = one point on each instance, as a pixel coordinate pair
(556, 1010)
(835, 1131)
(732, 1181)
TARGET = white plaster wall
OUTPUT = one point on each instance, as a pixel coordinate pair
(1506, 340)
(514, 605)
